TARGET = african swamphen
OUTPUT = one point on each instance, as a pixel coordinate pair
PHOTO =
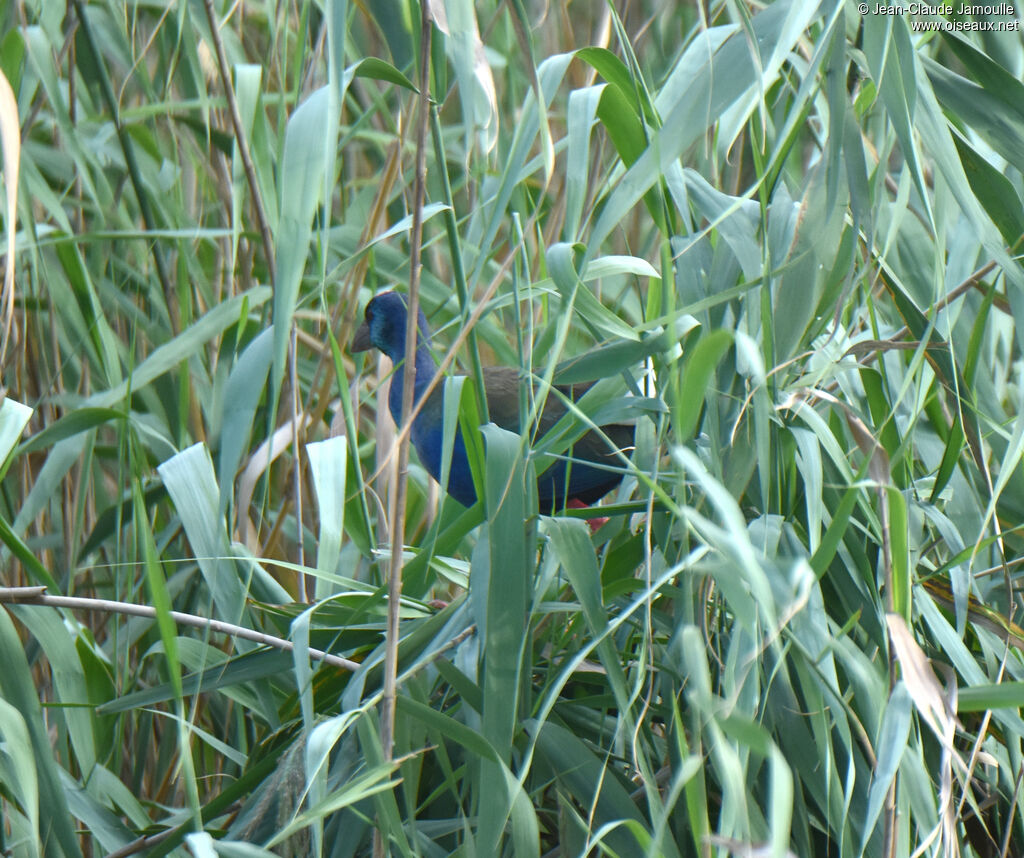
(384, 328)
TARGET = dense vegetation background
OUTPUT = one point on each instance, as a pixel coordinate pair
(789, 231)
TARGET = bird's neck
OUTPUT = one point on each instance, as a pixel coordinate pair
(424, 371)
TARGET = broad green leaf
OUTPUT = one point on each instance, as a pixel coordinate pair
(568, 282)
(79, 420)
(979, 698)
(694, 383)
(889, 749)
(503, 576)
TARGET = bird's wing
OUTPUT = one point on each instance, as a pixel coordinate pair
(502, 386)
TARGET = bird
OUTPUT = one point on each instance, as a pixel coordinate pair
(589, 464)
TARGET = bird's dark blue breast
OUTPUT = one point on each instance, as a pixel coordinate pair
(429, 443)
(427, 437)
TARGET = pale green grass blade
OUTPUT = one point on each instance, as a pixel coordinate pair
(19, 775)
(309, 136)
(191, 483)
(583, 105)
(14, 418)
(327, 461)
(18, 691)
(55, 636)
(245, 388)
(167, 356)
(716, 85)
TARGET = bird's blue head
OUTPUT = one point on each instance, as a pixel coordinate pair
(384, 326)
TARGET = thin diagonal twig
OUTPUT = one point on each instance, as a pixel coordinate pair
(38, 596)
